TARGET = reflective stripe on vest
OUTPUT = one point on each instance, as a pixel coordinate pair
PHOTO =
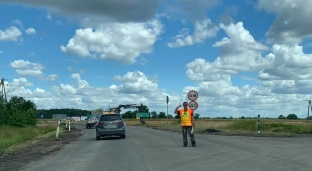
(186, 117)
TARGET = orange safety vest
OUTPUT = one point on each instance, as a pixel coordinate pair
(186, 117)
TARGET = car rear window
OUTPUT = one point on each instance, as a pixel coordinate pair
(92, 117)
(110, 117)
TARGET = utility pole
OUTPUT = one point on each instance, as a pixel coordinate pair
(309, 108)
(3, 91)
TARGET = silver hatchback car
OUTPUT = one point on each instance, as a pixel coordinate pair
(91, 121)
(110, 125)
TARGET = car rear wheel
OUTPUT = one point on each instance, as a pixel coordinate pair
(123, 136)
(97, 138)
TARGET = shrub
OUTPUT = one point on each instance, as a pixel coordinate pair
(18, 112)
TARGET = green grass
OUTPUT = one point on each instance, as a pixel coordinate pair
(10, 136)
(269, 127)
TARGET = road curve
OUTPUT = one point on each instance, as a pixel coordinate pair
(154, 150)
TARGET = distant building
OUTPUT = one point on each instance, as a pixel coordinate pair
(75, 118)
(83, 118)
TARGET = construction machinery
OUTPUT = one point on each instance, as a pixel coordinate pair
(143, 111)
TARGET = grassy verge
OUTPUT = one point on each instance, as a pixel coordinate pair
(236, 127)
(13, 136)
(269, 127)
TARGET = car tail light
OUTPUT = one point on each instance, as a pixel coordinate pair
(100, 123)
(120, 122)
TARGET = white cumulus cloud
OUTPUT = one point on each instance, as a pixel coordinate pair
(122, 42)
(284, 77)
(134, 88)
(203, 29)
(52, 77)
(10, 34)
(293, 20)
(26, 68)
(30, 31)
(239, 52)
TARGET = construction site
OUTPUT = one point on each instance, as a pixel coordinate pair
(141, 114)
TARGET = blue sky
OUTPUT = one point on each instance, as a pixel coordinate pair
(155, 69)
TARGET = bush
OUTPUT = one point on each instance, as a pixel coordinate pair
(18, 112)
(2, 113)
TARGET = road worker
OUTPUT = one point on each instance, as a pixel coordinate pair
(187, 122)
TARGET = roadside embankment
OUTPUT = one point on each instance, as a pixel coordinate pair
(21, 146)
(12, 136)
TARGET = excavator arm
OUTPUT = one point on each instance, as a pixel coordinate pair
(141, 108)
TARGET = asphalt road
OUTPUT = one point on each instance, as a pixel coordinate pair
(154, 150)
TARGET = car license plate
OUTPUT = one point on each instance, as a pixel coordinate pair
(111, 126)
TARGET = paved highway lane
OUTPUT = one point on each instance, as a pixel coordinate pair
(154, 150)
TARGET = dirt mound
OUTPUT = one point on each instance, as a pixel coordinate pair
(22, 156)
(211, 131)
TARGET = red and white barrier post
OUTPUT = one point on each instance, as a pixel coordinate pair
(58, 129)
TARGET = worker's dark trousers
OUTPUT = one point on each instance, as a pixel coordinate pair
(188, 129)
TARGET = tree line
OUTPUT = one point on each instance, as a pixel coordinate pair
(153, 115)
(20, 112)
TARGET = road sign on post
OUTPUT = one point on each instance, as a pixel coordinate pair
(142, 115)
(192, 95)
(258, 123)
(193, 105)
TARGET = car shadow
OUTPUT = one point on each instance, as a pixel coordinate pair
(111, 138)
(90, 128)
